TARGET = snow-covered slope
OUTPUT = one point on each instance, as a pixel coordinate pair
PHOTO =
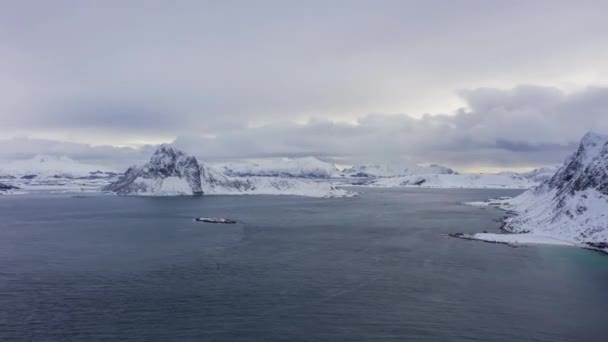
(309, 167)
(172, 172)
(573, 204)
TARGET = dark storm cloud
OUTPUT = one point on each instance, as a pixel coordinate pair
(113, 72)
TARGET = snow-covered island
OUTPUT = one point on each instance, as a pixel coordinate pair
(172, 172)
(569, 208)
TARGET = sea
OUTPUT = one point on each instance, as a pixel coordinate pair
(376, 267)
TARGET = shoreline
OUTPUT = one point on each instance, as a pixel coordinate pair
(514, 239)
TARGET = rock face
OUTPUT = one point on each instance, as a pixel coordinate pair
(573, 204)
(169, 171)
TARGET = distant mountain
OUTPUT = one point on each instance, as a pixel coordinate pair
(172, 172)
(5, 188)
(573, 203)
(541, 174)
(490, 181)
(437, 176)
(309, 167)
(396, 170)
(43, 166)
(54, 174)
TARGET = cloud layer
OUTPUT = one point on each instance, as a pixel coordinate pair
(141, 72)
(524, 126)
(521, 127)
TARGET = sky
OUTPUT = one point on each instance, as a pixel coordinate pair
(475, 85)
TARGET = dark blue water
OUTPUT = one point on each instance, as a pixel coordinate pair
(373, 268)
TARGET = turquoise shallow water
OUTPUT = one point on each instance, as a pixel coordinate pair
(375, 267)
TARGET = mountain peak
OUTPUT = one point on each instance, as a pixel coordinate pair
(594, 138)
(168, 151)
(169, 170)
(585, 168)
(591, 144)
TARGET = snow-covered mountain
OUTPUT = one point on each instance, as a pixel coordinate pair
(573, 204)
(489, 181)
(541, 174)
(308, 167)
(53, 167)
(396, 170)
(172, 172)
(7, 189)
(169, 171)
(437, 176)
(55, 174)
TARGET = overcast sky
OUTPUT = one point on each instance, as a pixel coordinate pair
(469, 84)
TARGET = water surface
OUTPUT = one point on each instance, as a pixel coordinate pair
(376, 267)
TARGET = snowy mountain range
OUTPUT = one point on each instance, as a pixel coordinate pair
(308, 167)
(172, 172)
(480, 181)
(396, 170)
(53, 173)
(436, 176)
(45, 166)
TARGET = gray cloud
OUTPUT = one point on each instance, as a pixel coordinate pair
(520, 127)
(524, 126)
(114, 72)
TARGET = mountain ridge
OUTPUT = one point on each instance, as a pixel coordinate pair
(573, 204)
